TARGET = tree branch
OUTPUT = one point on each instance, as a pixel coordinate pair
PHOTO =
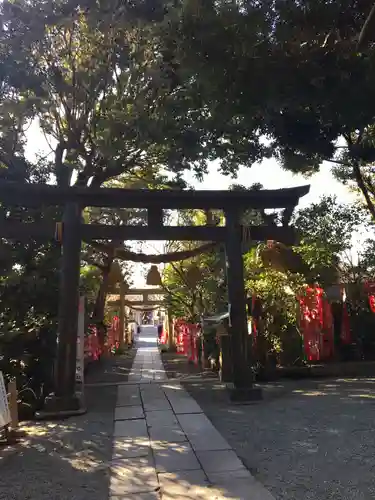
(362, 186)
(96, 264)
(113, 171)
(364, 34)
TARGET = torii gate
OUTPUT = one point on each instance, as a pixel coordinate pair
(72, 231)
(121, 296)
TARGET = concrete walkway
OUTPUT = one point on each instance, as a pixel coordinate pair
(164, 446)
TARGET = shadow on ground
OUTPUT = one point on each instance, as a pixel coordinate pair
(177, 367)
(111, 370)
(69, 459)
(308, 439)
(189, 460)
(65, 460)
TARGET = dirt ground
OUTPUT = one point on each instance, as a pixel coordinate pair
(176, 366)
(68, 459)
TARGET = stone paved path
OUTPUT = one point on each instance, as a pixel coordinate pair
(164, 446)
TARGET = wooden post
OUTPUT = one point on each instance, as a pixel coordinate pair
(242, 374)
(128, 337)
(122, 314)
(171, 333)
(65, 400)
(13, 404)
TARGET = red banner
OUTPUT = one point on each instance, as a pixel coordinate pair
(316, 324)
(187, 340)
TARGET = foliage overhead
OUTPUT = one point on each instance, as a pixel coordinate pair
(290, 71)
(99, 80)
(326, 230)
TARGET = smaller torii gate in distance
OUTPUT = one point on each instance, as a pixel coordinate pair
(65, 400)
(121, 295)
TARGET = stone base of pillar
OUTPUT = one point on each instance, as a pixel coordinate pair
(57, 407)
(244, 395)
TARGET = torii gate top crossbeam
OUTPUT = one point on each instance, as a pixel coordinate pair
(137, 291)
(35, 194)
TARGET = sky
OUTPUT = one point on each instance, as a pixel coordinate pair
(268, 173)
(272, 176)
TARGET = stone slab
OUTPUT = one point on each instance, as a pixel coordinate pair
(242, 489)
(128, 396)
(154, 392)
(172, 457)
(126, 390)
(219, 461)
(129, 412)
(130, 429)
(185, 406)
(196, 423)
(126, 447)
(180, 400)
(201, 433)
(171, 434)
(238, 485)
(234, 475)
(161, 418)
(137, 496)
(148, 393)
(134, 475)
(157, 404)
(175, 390)
(189, 485)
(137, 366)
(208, 442)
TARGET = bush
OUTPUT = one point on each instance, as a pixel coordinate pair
(29, 358)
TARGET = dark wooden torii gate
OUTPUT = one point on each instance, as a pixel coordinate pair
(74, 199)
(131, 292)
(145, 304)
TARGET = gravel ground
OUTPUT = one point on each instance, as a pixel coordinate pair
(307, 440)
(67, 460)
(177, 366)
(112, 370)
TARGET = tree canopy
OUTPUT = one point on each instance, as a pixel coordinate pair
(290, 72)
(100, 82)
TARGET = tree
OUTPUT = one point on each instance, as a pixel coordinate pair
(93, 77)
(29, 281)
(89, 77)
(290, 72)
(326, 231)
(277, 327)
(102, 89)
(196, 285)
(98, 81)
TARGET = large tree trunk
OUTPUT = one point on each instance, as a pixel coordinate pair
(99, 309)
